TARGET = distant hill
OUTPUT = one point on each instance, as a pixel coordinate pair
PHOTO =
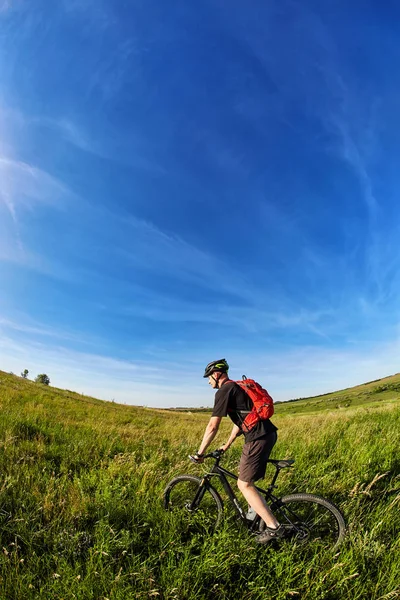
(386, 389)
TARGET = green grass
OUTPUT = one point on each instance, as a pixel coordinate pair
(82, 481)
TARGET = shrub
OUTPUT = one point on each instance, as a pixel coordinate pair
(42, 378)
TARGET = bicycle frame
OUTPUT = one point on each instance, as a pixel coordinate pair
(223, 474)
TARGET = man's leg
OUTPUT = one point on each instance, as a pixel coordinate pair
(252, 467)
(257, 502)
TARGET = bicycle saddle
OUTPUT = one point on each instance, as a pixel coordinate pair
(282, 463)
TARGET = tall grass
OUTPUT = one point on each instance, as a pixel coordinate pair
(81, 513)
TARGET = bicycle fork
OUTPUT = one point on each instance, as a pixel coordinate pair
(193, 505)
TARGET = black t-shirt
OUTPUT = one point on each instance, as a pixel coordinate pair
(229, 400)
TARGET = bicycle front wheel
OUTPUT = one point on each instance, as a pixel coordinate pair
(197, 503)
(311, 518)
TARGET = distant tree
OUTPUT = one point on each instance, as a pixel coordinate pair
(42, 378)
(25, 373)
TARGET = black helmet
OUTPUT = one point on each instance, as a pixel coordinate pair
(216, 365)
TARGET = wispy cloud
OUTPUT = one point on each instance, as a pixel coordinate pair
(5, 196)
(70, 131)
(355, 127)
(240, 300)
(25, 325)
(14, 121)
(251, 319)
(135, 152)
(26, 190)
(104, 142)
(350, 119)
(25, 185)
(157, 250)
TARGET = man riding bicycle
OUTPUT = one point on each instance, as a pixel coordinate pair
(231, 400)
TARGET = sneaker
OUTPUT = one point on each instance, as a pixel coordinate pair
(270, 535)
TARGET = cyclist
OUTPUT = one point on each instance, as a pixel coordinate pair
(231, 400)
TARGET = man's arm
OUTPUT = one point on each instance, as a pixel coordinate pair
(209, 434)
(236, 431)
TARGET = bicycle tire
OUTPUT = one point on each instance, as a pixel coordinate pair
(310, 518)
(179, 495)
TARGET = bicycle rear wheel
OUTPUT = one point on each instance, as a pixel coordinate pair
(198, 505)
(309, 518)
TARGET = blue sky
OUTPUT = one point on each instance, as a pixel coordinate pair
(185, 181)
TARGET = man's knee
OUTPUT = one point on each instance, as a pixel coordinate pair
(244, 485)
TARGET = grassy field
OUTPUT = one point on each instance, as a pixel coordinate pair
(82, 482)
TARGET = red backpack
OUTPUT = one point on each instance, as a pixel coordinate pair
(263, 405)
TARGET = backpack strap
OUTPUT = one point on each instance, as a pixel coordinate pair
(242, 414)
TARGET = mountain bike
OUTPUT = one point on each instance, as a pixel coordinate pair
(306, 517)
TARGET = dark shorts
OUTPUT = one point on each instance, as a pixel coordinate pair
(253, 461)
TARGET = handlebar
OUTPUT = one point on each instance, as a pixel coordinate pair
(215, 454)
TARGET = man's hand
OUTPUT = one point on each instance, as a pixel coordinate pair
(197, 458)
